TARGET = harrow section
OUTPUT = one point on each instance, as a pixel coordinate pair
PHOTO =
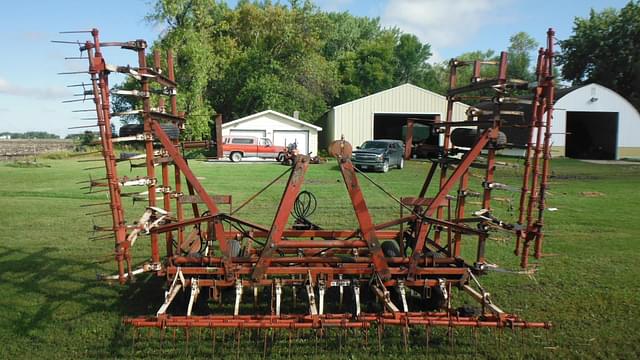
(375, 275)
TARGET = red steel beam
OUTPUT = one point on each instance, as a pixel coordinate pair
(274, 239)
(364, 217)
(218, 229)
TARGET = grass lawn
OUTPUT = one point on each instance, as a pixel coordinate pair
(51, 305)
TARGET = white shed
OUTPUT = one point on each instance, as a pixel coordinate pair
(280, 128)
(594, 122)
(384, 114)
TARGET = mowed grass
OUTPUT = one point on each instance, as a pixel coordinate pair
(51, 305)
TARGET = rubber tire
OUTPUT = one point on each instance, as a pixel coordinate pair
(465, 137)
(235, 156)
(280, 157)
(436, 301)
(173, 132)
(400, 166)
(390, 248)
(385, 166)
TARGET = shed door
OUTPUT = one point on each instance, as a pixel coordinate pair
(591, 135)
(253, 133)
(286, 137)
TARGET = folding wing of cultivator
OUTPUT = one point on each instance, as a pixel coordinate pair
(312, 278)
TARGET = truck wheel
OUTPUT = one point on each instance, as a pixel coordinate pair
(401, 163)
(235, 156)
(385, 166)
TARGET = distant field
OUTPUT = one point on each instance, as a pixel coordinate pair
(51, 305)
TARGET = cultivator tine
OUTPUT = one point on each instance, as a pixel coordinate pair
(238, 337)
(186, 335)
(83, 127)
(340, 291)
(95, 204)
(175, 287)
(236, 308)
(76, 100)
(89, 160)
(405, 335)
(474, 332)
(195, 290)
(321, 290)
(279, 296)
(427, 334)
(403, 295)
(133, 340)
(213, 342)
(104, 237)
(313, 310)
(382, 294)
(76, 31)
(92, 168)
(356, 296)
(67, 42)
(93, 214)
(264, 346)
(255, 297)
(294, 295)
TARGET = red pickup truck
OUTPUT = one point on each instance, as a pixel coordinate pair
(237, 147)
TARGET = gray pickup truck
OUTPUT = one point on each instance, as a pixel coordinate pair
(379, 155)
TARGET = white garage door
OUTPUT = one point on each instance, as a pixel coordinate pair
(254, 133)
(284, 138)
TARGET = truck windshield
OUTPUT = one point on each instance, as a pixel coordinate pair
(374, 145)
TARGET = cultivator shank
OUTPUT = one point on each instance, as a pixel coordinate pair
(402, 272)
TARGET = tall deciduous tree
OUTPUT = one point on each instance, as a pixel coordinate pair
(605, 48)
(412, 58)
(521, 48)
(266, 55)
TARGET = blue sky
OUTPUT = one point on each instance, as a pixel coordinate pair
(31, 92)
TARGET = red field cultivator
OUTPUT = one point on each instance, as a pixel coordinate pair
(402, 272)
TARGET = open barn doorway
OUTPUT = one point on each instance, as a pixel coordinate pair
(591, 135)
(397, 127)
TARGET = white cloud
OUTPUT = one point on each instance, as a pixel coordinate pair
(45, 93)
(435, 58)
(442, 23)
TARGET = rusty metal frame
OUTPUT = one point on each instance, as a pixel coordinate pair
(315, 258)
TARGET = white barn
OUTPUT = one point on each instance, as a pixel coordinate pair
(280, 128)
(384, 115)
(594, 122)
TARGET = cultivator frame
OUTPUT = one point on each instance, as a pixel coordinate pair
(404, 271)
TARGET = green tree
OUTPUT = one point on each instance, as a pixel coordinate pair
(412, 56)
(521, 47)
(31, 135)
(605, 48)
(267, 55)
